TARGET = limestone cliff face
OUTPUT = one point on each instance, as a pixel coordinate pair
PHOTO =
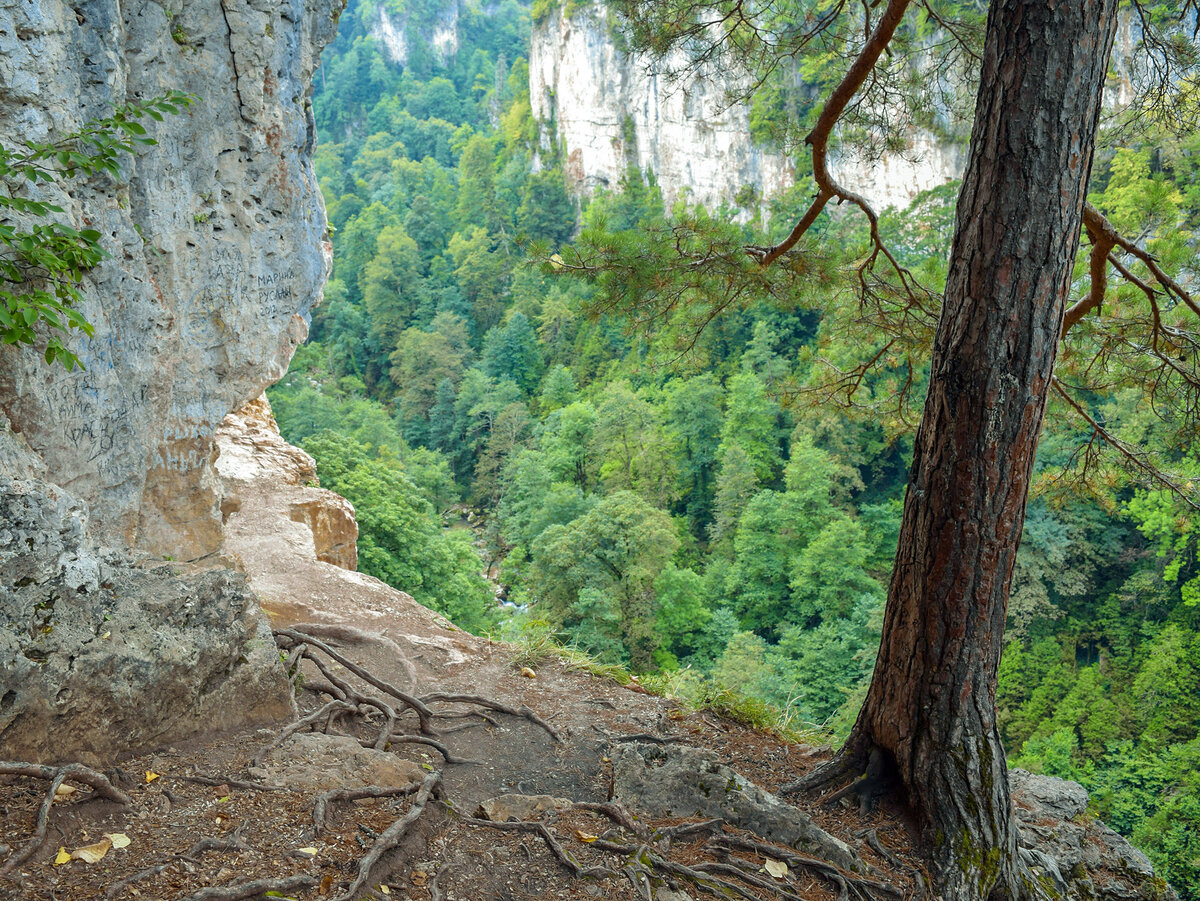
(218, 250)
(395, 34)
(217, 242)
(608, 112)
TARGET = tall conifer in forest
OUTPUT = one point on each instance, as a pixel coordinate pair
(927, 731)
(931, 708)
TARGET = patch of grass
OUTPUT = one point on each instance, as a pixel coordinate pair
(537, 641)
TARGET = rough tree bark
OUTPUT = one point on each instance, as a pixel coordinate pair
(931, 705)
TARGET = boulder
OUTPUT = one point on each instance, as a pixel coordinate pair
(1082, 856)
(682, 781)
(506, 808)
(311, 761)
(102, 653)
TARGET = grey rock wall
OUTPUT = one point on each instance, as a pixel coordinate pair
(119, 628)
(102, 653)
(217, 241)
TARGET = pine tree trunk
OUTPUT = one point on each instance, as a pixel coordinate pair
(932, 701)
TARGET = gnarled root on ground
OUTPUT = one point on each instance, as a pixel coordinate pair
(391, 836)
(234, 843)
(56, 775)
(737, 871)
(346, 698)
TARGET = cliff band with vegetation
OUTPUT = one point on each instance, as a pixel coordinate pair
(612, 108)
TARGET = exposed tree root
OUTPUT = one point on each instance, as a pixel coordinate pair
(645, 863)
(345, 699)
(341, 632)
(435, 893)
(316, 715)
(846, 762)
(673, 832)
(645, 736)
(432, 743)
(618, 814)
(573, 866)
(748, 874)
(486, 721)
(391, 836)
(713, 885)
(880, 779)
(861, 885)
(295, 676)
(353, 794)
(872, 837)
(233, 843)
(75, 772)
(255, 889)
(57, 775)
(494, 705)
(288, 638)
(346, 692)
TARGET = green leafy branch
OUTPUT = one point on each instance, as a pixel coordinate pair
(42, 262)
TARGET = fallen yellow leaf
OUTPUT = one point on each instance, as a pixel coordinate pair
(385, 889)
(528, 673)
(92, 853)
(151, 776)
(585, 836)
(118, 839)
(62, 857)
(776, 868)
(312, 851)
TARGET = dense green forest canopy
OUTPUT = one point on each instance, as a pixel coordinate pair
(694, 504)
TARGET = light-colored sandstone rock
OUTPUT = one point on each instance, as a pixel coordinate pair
(280, 481)
(289, 536)
(504, 808)
(311, 761)
(217, 242)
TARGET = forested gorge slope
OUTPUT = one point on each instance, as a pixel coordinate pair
(679, 504)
